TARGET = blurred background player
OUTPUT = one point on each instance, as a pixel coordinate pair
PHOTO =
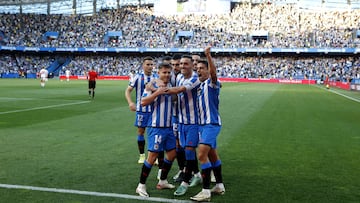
(43, 77)
(132, 73)
(67, 75)
(138, 82)
(91, 76)
(160, 133)
(209, 127)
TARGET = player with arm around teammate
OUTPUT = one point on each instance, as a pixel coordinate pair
(187, 83)
(209, 127)
(160, 132)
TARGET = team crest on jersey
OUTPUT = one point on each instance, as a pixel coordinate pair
(156, 146)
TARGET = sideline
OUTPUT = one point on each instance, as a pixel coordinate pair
(340, 94)
(44, 107)
(98, 194)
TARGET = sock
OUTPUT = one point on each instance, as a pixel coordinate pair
(196, 166)
(190, 154)
(205, 174)
(141, 144)
(161, 159)
(190, 164)
(217, 171)
(89, 93)
(145, 171)
(93, 94)
(180, 156)
(189, 169)
(165, 169)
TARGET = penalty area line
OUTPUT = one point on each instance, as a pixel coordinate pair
(44, 107)
(98, 194)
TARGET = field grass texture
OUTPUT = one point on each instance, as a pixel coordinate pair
(278, 143)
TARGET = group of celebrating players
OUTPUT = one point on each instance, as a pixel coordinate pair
(179, 107)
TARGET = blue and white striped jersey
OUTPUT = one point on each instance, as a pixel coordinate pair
(173, 83)
(173, 79)
(161, 110)
(138, 82)
(208, 103)
(187, 108)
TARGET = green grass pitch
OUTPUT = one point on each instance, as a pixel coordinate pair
(279, 143)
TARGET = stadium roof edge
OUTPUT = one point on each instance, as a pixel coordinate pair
(24, 2)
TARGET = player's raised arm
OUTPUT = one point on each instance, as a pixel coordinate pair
(212, 67)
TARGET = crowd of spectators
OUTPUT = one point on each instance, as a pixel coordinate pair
(16, 64)
(283, 67)
(288, 27)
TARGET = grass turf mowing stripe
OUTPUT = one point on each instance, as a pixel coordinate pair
(14, 99)
(99, 194)
(43, 107)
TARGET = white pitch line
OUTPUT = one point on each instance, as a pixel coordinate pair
(44, 107)
(351, 98)
(98, 194)
(340, 94)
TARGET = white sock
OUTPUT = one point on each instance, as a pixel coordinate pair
(220, 185)
(184, 184)
(206, 191)
(162, 182)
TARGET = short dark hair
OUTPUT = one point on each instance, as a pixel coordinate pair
(176, 57)
(164, 65)
(204, 61)
(186, 56)
(148, 58)
(166, 58)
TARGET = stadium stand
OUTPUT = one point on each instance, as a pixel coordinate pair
(262, 26)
